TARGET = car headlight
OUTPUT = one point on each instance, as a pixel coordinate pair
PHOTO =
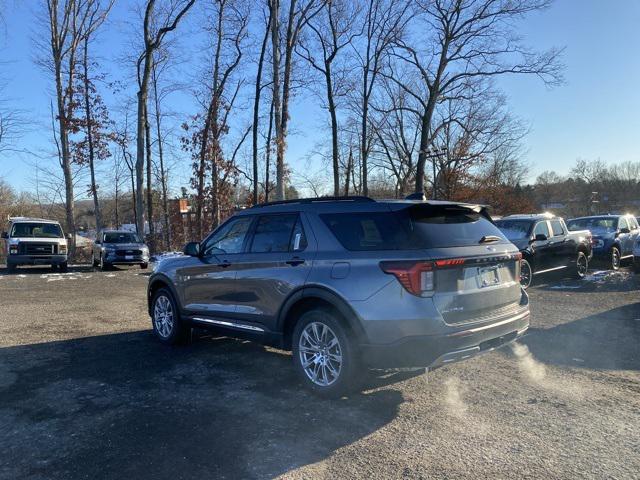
(13, 250)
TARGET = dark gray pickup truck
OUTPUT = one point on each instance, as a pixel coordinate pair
(547, 245)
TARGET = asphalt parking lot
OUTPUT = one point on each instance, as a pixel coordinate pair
(86, 392)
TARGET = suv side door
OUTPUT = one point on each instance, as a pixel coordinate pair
(542, 247)
(208, 283)
(558, 244)
(625, 238)
(278, 260)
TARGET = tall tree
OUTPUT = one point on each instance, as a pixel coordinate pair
(468, 39)
(154, 31)
(332, 29)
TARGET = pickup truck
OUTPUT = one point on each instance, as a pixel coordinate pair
(547, 245)
(34, 241)
(614, 236)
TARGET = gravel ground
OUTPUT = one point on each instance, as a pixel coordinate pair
(86, 392)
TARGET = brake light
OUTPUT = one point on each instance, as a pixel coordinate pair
(449, 262)
(415, 277)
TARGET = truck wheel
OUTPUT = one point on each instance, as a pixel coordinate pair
(64, 267)
(615, 258)
(11, 268)
(324, 354)
(165, 319)
(526, 274)
(582, 265)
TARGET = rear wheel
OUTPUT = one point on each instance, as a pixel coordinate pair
(526, 274)
(324, 354)
(165, 319)
(581, 265)
(616, 259)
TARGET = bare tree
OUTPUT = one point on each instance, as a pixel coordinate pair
(384, 23)
(332, 29)
(155, 28)
(298, 14)
(256, 105)
(467, 40)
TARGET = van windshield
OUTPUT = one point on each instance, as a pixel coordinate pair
(412, 229)
(36, 230)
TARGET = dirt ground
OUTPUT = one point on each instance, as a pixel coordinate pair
(87, 392)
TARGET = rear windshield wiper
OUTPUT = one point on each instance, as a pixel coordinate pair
(490, 239)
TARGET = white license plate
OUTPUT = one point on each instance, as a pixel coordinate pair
(128, 257)
(488, 277)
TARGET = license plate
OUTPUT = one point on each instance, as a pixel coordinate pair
(488, 277)
(128, 257)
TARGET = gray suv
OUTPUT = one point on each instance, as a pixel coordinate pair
(348, 284)
(119, 247)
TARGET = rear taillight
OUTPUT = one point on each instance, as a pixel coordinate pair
(518, 258)
(415, 277)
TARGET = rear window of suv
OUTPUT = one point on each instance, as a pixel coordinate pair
(411, 229)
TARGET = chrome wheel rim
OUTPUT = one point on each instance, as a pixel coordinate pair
(320, 354)
(525, 273)
(582, 265)
(163, 316)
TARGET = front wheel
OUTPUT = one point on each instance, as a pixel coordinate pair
(636, 264)
(165, 319)
(581, 265)
(144, 266)
(616, 259)
(64, 267)
(11, 268)
(526, 274)
(324, 354)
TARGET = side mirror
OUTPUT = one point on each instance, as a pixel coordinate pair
(69, 236)
(98, 242)
(192, 249)
(5, 234)
(625, 230)
(540, 237)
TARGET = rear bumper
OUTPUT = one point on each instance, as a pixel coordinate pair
(36, 259)
(438, 350)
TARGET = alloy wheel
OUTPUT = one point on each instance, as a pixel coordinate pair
(525, 273)
(582, 265)
(163, 316)
(320, 354)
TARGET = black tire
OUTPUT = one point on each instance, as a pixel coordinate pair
(636, 264)
(581, 266)
(64, 267)
(144, 266)
(178, 333)
(104, 266)
(11, 268)
(527, 279)
(96, 263)
(350, 369)
(616, 261)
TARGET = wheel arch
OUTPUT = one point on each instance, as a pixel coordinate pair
(155, 284)
(308, 298)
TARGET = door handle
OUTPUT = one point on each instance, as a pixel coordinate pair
(224, 264)
(295, 261)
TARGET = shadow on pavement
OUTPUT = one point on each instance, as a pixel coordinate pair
(606, 341)
(124, 406)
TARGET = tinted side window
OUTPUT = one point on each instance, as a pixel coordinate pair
(411, 229)
(229, 238)
(556, 227)
(633, 223)
(541, 228)
(273, 233)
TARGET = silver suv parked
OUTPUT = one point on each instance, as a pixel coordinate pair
(348, 284)
(118, 247)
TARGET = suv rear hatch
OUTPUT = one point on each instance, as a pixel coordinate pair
(452, 253)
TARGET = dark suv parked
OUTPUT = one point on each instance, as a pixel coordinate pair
(118, 247)
(349, 283)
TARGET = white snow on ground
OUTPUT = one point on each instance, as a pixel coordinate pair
(602, 276)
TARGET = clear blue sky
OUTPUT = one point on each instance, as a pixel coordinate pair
(594, 115)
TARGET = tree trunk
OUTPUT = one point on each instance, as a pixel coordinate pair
(147, 136)
(334, 130)
(256, 109)
(89, 120)
(267, 189)
(275, 42)
(348, 172)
